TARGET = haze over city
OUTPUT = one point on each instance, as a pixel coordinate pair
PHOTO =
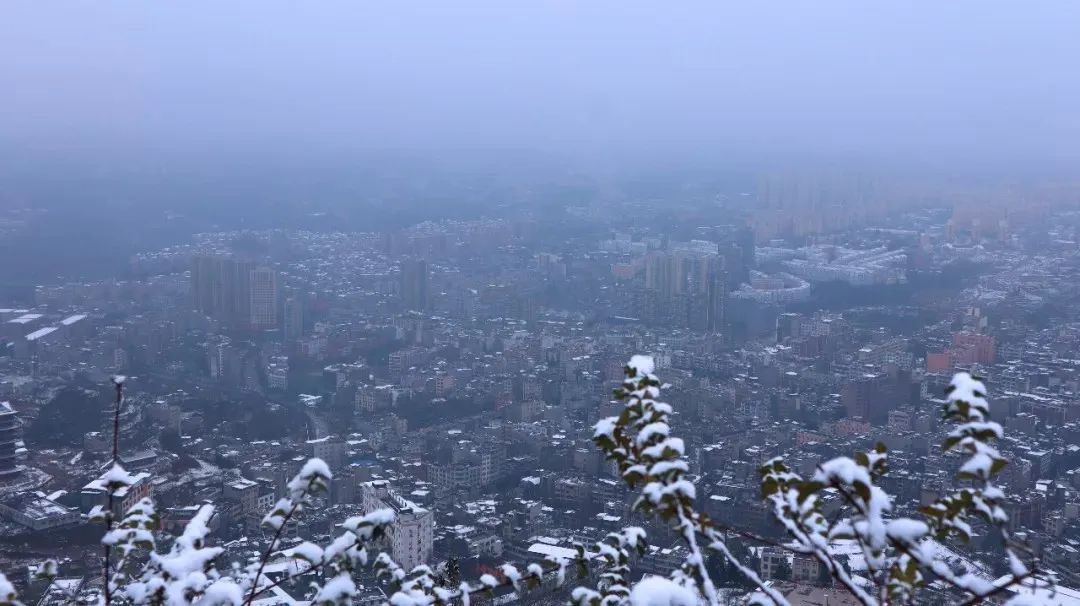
(957, 83)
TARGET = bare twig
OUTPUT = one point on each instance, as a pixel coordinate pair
(753, 536)
(297, 501)
(875, 575)
(979, 597)
(948, 577)
(106, 571)
(270, 551)
(797, 528)
(118, 383)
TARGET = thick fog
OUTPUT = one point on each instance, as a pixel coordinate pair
(950, 81)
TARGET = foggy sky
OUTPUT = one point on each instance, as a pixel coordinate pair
(955, 81)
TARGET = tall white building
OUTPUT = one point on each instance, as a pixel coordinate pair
(9, 436)
(277, 373)
(411, 537)
(264, 298)
(294, 319)
(217, 354)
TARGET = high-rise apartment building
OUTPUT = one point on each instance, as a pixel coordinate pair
(264, 298)
(687, 288)
(981, 349)
(861, 395)
(716, 296)
(872, 395)
(221, 289)
(414, 284)
(9, 435)
(662, 273)
(788, 326)
(294, 318)
(206, 284)
(411, 537)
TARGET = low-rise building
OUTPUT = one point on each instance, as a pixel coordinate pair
(35, 513)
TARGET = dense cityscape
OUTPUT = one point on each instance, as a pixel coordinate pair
(453, 371)
(539, 303)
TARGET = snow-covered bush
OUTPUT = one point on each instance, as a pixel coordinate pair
(902, 554)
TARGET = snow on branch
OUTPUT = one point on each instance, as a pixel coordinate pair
(902, 554)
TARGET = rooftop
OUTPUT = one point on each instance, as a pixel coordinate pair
(25, 319)
(35, 507)
(98, 485)
(41, 332)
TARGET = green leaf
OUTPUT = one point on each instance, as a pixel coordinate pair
(863, 490)
(931, 511)
(997, 466)
(769, 487)
(806, 489)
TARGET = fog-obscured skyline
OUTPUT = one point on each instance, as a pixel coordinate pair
(949, 82)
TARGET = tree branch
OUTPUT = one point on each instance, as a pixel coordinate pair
(106, 570)
(270, 550)
(979, 597)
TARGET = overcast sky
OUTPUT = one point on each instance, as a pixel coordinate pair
(948, 79)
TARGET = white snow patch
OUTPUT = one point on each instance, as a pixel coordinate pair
(659, 591)
(643, 364)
